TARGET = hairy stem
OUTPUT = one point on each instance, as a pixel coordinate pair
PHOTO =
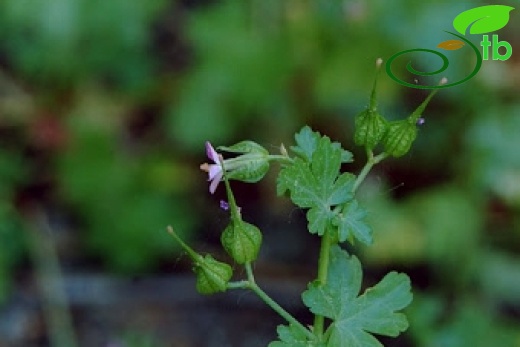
(323, 271)
(283, 159)
(250, 284)
(326, 241)
(371, 161)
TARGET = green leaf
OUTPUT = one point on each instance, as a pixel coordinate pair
(350, 223)
(356, 318)
(346, 156)
(307, 143)
(290, 336)
(316, 184)
(483, 19)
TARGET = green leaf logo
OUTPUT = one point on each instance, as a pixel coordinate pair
(483, 19)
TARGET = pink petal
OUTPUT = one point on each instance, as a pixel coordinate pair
(213, 171)
(211, 153)
(214, 183)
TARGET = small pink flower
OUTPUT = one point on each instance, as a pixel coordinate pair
(214, 171)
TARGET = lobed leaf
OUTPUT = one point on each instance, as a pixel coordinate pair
(317, 184)
(355, 317)
(351, 224)
(290, 336)
(307, 143)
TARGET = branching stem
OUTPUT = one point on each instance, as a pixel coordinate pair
(250, 284)
(326, 241)
(371, 161)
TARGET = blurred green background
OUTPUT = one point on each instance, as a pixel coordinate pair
(104, 110)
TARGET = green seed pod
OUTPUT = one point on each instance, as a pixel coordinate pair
(400, 137)
(241, 241)
(212, 275)
(371, 127)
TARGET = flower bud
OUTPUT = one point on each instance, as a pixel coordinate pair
(251, 166)
(212, 275)
(400, 137)
(241, 241)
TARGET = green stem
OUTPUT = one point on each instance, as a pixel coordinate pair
(193, 255)
(327, 333)
(251, 285)
(238, 285)
(373, 97)
(280, 310)
(326, 242)
(235, 214)
(366, 169)
(323, 271)
(281, 158)
(420, 109)
(249, 272)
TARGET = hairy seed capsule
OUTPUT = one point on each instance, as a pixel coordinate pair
(370, 128)
(399, 137)
(212, 275)
(241, 241)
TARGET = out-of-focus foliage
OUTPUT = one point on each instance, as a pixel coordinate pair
(12, 172)
(139, 340)
(65, 42)
(105, 107)
(493, 142)
(123, 192)
(465, 323)
(278, 61)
